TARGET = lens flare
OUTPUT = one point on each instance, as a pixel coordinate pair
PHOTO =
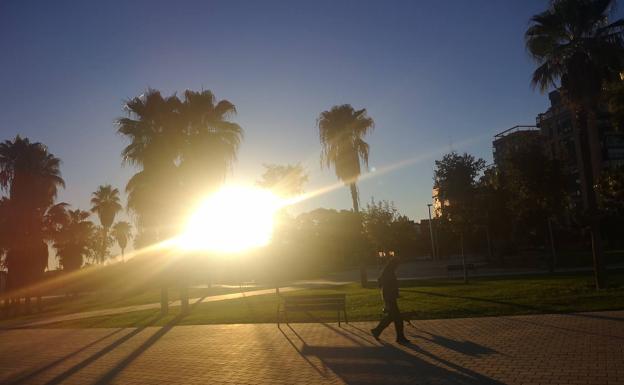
(234, 219)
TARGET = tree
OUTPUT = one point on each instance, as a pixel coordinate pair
(455, 181)
(574, 44)
(75, 237)
(377, 219)
(105, 203)
(388, 230)
(122, 232)
(31, 175)
(615, 102)
(285, 180)
(342, 130)
(183, 149)
(536, 188)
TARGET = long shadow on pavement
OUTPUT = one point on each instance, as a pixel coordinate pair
(32, 374)
(151, 320)
(117, 369)
(386, 364)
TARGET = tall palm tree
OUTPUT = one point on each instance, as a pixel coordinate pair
(183, 148)
(105, 203)
(341, 131)
(575, 45)
(122, 232)
(31, 176)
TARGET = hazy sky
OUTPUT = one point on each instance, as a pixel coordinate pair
(435, 76)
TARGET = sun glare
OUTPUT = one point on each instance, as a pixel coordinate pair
(234, 219)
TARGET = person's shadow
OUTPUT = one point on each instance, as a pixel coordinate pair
(372, 363)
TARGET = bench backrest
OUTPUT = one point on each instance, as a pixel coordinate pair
(314, 302)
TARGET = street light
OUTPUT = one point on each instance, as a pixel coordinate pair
(433, 256)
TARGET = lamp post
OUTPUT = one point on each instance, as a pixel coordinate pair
(433, 253)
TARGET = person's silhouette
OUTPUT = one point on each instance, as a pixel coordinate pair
(390, 293)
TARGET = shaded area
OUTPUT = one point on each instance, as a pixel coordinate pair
(370, 363)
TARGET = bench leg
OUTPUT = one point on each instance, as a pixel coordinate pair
(277, 316)
(338, 318)
(345, 313)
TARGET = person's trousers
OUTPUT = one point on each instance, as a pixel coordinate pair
(392, 314)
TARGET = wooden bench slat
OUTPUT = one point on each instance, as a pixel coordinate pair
(322, 296)
(320, 302)
(314, 307)
(315, 300)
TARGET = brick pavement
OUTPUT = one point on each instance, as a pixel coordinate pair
(585, 348)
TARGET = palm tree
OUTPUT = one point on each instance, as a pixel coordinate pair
(341, 131)
(574, 44)
(73, 238)
(105, 203)
(122, 232)
(31, 176)
(211, 141)
(183, 147)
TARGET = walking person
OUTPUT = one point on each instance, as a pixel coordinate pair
(390, 293)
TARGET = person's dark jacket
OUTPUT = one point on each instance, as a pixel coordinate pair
(389, 285)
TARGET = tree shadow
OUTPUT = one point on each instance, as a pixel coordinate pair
(74, 369)
(25, 378)
(112, 373)
(121, 365)
(386, 363)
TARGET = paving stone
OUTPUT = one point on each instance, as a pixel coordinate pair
(584, 348)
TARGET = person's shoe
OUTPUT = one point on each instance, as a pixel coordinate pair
(403, 341)
(375, 333)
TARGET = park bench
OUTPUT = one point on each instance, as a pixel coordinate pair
(460, 267)
(307, 303)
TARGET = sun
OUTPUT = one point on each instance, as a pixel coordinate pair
(234, 219)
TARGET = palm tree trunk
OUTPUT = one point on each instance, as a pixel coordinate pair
(354, 197)
(584, 124)
(356, 210)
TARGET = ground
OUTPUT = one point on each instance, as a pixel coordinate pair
(582, 348)
(422, 299)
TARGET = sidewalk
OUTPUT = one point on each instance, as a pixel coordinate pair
(585, 348)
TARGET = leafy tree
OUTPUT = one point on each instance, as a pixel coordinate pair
(183, 149)
(31, 175)
(388, 230)
(285, 180)
(615, 102)
(325, 240)
(493, 212)
(455, 181)
(536, 188)
(122, 232)
(377, 219)
(342, 130)
(574, 44)
(105, 203)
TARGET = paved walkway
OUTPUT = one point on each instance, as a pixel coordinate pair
(147, 306)
(583, 348)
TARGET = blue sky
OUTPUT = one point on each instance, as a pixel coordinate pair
(435, 76)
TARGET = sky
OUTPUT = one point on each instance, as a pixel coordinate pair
(435, 77)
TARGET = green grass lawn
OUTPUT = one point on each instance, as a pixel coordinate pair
(114, 299)
(431, 299)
